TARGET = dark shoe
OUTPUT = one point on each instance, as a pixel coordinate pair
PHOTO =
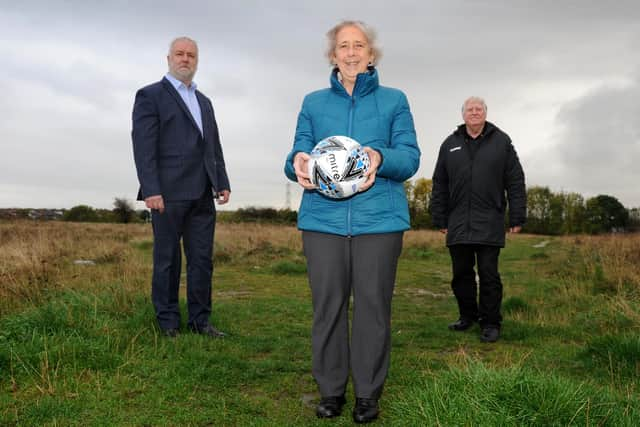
(490, 334)
(365, 411)
(170, 333)
(330, 407)
(462, 324)
(209, 331)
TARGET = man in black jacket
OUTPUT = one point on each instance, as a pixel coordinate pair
(476, 166)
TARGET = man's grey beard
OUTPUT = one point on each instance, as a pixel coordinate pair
(181, 75)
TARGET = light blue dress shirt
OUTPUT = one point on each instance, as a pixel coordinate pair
(188, 95)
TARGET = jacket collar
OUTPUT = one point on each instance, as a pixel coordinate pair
(488, 129)
(173, 91)
(365, 83)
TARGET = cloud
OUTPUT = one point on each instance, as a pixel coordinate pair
(599, 143)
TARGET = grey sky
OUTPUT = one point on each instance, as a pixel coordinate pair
(562, 78)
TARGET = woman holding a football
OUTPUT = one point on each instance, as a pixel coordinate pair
(352, 244)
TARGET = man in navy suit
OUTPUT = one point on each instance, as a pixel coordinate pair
(181, 170)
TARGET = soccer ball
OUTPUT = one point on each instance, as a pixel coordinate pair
(337, 166)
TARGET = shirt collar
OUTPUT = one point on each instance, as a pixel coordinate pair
(178, 84)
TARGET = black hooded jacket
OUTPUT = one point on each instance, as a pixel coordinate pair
(472, 181)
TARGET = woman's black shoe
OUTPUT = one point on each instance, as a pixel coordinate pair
(365, 411)
(330, 407)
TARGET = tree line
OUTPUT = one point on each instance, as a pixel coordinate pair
(124, 212)
(547, 212)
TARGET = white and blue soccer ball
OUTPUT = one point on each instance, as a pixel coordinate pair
(337, 166)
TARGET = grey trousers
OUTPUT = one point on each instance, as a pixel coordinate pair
(365, 265)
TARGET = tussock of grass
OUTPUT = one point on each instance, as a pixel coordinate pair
(606, 316)
(479, 395)
(289, 267)
(515, 305)
(539, 255)
(617, 354)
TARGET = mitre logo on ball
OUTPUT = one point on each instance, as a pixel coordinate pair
(337, 166)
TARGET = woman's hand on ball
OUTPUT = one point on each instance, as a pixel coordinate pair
(374, 161)
(301, 166)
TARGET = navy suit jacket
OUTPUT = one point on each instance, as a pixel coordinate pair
(172, 158)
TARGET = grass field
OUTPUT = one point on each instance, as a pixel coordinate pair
(79, 346)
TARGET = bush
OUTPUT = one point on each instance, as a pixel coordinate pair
(81, 213)
(123, 210)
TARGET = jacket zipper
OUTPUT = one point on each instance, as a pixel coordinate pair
(349, 132)
(471, 159)
(472, 152)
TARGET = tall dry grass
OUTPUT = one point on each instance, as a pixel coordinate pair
(40, 257)
(239, 240)
(611, 260)
(423, 238)
(606, 267)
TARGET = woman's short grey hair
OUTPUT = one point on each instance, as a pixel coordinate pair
(474, 99)
(182, 39)
(368, 32)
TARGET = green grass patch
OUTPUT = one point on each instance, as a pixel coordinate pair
(92, 354)
(289, 267)
(618, 355)
(419, 253)
(515, 305)
(539, 255)
(480, 395)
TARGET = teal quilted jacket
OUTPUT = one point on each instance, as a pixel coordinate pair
(375, 116)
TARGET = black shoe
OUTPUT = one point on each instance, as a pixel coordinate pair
(171, 332)
(330, 407)
(365, 411)
(490, 334)
(462, 324)
(208, 330)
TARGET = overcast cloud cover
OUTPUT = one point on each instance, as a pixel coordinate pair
(562, 78)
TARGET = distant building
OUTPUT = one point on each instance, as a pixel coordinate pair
(45, 214)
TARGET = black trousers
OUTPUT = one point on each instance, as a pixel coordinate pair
(193, 222)
(337, 266)
(486, 308)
